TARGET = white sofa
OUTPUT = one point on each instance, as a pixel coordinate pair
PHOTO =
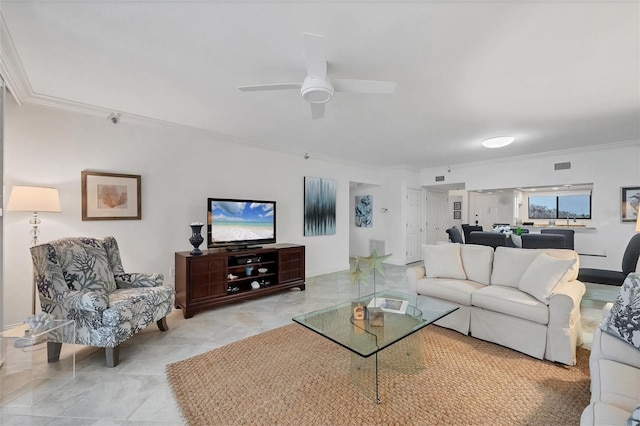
(524, 299)
(614, 367)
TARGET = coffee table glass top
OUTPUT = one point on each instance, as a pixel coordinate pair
(337, 324)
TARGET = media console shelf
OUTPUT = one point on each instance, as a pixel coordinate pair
(219, 276)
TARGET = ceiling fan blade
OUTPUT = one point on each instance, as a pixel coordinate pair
(364, 86)
(314, 54)
(277, 86)
(317, 111)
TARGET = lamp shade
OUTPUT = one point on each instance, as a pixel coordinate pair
(34, 199)
(638, 223)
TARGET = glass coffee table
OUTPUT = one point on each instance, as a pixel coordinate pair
(394, 318)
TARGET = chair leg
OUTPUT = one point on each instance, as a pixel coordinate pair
(53, 351)
(112, 356)
(162, 324)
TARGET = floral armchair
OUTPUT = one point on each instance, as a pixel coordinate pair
(82, 279)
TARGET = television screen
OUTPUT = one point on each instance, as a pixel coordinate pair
(233, 222)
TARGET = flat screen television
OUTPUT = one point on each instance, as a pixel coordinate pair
(240, 224)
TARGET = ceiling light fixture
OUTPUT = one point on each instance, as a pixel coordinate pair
(498, 141)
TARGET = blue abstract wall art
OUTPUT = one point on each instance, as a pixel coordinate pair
(319, 206)
(364, 211)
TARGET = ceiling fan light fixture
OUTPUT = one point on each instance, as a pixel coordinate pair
(498, 141)
(316, 91)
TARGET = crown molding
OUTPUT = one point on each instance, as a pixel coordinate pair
(11, 69)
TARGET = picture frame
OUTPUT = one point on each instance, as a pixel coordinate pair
(110, 196)
(394, 306)
(629, 203)
(457, 205)
(457, 214)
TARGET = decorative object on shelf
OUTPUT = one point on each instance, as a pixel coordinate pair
(110, 196)
(364, 211)
(232, 277)
(457, 205)
(255, 285)
(196, 238)
(629, 204)
(233, 290)
(248, 270)
(262, 270)
(319, 206)
(457, 214)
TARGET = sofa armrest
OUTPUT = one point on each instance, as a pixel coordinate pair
(414, 274)
(605, 311)
(139, 279)
(564, 301)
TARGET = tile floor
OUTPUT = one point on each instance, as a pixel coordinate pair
(136, 391)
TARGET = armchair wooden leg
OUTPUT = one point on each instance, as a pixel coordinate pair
(162, 324)
(53, 351)
(112, 356)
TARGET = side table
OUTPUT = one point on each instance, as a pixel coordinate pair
(25, 369)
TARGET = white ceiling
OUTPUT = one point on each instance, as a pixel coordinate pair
(556, 75)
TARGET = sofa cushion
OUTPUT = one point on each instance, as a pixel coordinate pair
(509, 264)
(572, 273)
(624, 317)
(542, 276)
(457, 291)
(511, 301)
(477, 262)
(443, 261)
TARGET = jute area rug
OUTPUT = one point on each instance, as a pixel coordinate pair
(292, 376)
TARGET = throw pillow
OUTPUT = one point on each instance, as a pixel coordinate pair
(443, 261)
(542, 276)
(624, 318)
(634, 418)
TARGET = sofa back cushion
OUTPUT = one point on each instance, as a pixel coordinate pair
(477, 262)
(544, 273)
(443, 261)
(509, 264)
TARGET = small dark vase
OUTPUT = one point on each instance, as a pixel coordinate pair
(196, 239)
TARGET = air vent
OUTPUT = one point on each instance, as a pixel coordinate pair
(562, 166)
(439, 178)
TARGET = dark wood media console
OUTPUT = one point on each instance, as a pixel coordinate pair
(206, 281)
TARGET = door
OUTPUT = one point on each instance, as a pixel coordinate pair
(414, 228)
(436, 217)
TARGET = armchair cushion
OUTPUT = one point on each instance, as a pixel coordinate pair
(624, 318)
(84, 264)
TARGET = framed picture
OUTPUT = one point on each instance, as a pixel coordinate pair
(629, 203)
(364, 211)
(457, 205)
(110, 196)
(457, 214)
(395, 306)
(319, 206)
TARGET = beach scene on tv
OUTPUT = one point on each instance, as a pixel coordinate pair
(239, 221)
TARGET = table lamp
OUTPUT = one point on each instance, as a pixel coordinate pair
(638, 223)
(34, 199)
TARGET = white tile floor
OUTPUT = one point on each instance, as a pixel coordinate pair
(136, 391)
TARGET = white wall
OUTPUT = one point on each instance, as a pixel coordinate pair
(608, 167)
(180, 168)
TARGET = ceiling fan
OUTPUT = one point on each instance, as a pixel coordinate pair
(317, 88)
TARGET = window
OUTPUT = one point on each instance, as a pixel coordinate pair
(560, 206)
